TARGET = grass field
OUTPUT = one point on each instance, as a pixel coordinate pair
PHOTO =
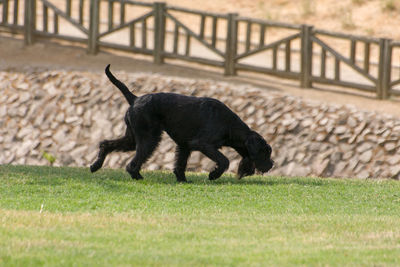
(68, 216)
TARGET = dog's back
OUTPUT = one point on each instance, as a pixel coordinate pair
(185, 117)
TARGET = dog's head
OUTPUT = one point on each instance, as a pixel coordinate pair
(259, 156)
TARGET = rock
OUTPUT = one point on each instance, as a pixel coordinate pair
(3, 111)
(288, 121)
(23, 86)
(119, 128)
(23, 149)
(289, 169)
(250, 110)
(24, 97)
(360, 128)
(364, 147)
(393, 160)
(24, 132)
(60, 117)
(195, 158)
(68, 146)
(364, 174)
(320, 166)
(336, 157)
(79, 151)
(301, 171)
(114, 158)
(307, 123)
(352, 139)
(352, 122)
(60, 136)
(353, 162)
(169, 157)
(72, 119)
(153, 167)
(394, 171)
(293, 126)
(323, 122)
(300, 157)
(339, 167)
(390, 146)
(366, 156)
(341, 130)
(321, 137)
(274, 117)
(167, 145)
(333, 139)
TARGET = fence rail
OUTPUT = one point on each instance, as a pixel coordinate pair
(229, 41)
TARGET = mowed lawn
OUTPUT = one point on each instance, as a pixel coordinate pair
(67, 216)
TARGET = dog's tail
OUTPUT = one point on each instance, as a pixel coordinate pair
(121, 86)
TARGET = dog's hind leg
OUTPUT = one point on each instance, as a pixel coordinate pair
(219, 158)
(124, 144)
(146, 144)
(182, 155)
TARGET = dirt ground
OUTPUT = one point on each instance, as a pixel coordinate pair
(376, 18)
(57, 56)
(365, 17)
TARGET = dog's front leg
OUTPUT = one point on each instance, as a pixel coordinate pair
(134, 171)
(182, 154)
(219, 158)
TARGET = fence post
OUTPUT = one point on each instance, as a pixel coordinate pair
(94, 27)
(306, 56)
(231, 44)
(5, 12)
(385, 68)
(29, 22)
(159, 32)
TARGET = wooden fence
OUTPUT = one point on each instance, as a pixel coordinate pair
(229, 41)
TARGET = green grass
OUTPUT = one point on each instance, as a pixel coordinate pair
(68, 216)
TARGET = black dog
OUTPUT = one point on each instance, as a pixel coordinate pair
(194, 123)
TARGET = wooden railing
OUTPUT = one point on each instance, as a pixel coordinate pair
(229, 41)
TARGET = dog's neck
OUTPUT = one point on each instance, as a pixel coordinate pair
(238, 137)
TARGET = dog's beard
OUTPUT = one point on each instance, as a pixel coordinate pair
(246, 168)
(264, 167)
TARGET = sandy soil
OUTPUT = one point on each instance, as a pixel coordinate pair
(46, 55)
(366, 17)
(377, 18)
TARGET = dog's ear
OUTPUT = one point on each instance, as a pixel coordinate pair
(253, 145)
(246, 168)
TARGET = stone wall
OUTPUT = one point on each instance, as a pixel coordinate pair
(66, 114)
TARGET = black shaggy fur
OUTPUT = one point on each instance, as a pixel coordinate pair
(194, 123)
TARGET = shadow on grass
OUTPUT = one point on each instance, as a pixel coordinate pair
(104, 177)
(196, 179)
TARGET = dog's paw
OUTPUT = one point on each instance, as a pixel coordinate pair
(139, 177)
(136, 176)
(180, 176)
(94, 167)
(214, 175)
(246, 168)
